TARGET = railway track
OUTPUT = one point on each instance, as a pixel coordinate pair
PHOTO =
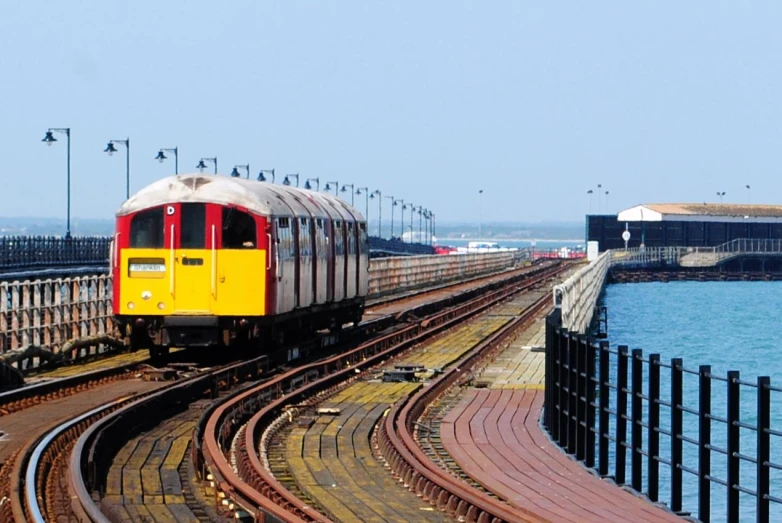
(51, 493)
(230, 456)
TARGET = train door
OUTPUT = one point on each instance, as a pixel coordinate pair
(362, 275)
(191, 276)
(239, 254)
(339, 260)
(285, 264)
(305, 263)
(329, 233)
(321, 276)
(296, 263)
(350, 259)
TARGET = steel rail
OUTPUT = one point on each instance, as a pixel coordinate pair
(253, 487)
(419, 473)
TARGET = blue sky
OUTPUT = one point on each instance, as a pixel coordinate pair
(532, 102)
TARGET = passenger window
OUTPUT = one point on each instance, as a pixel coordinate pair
(193, 226)
(146, 229)
(238, 229)
(339, 239)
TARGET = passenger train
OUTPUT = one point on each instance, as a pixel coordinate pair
(205, 260)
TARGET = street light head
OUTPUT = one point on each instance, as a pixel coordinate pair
(344, 188)
(110, 149)
(261, 177)
(307, 185)
(590, 191)
(328, 187)
(49, 139)
(372, 195)
(286, 181)
(201, 166)
(235, 173)
(358, 191)
(160, 156)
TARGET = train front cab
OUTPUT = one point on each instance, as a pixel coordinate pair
(188, 273)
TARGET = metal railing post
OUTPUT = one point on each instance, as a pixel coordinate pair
(581, 377)
(621, 415)
(677, 426)
(604, 403)
(591, 386)
(734, 445)
(636, 430)
(564, 382)
(764, 448)
(704, 443)
(572, 411)
(652, 465)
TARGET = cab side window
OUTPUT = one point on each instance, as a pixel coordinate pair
(146, 229)
(238, 229)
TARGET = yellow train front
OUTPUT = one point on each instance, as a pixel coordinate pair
(204, 260)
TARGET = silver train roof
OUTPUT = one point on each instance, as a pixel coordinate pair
(259, 197)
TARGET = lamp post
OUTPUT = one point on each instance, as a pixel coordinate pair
(287, 180)
(235, 173)
(606, 202)
(589, 195)
(412, 208)
(420, 224)
(366, 202)
(401, 219)
(480, 215)
(201, 165)
(111, 150)
(599, 186)
(720, 194)
(434, 227)
(49, 139)
(379, 211)
(307, 185)
(428, 226)
(345, 189)
(162, 156)
(262, 178)
(336, 187)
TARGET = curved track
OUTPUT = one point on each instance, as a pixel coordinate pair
(88, 461)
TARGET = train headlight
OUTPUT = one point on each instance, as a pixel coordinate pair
(131, 305)
(161, 305)
(146, 295)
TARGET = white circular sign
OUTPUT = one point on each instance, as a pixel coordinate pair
(626, 235)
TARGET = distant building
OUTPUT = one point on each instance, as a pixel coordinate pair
(685, 225)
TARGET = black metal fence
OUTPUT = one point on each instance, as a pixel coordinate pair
(27, 252)
(619, 411)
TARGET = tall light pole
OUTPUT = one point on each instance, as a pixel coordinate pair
(606, 202)
(480, 215)
(420, 224)
(287, 180)
(412, 208)
(366, 202)
(49, 139)
(599, 186)
(392, 215)
(111, 150)
(379, 211)
(235, 173)
(308, 186)
(402, 219)
(162, 156)
(336, 187)
(262, 178)
(749, 196)
(589, 195)
(201, 165)
(720, 194)
(345, 189)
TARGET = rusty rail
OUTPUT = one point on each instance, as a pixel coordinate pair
(252, 486)
(419, 473)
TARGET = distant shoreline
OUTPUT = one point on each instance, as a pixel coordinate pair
(500, 240)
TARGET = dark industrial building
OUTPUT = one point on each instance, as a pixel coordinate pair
(685, 225)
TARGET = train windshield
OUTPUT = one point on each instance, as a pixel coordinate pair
(238, 229)
(146, 229)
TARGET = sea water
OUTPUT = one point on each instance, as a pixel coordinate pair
(728, 325)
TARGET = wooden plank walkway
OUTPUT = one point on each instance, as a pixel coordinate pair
(494, 435)
(145, 481)
(332, 461)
